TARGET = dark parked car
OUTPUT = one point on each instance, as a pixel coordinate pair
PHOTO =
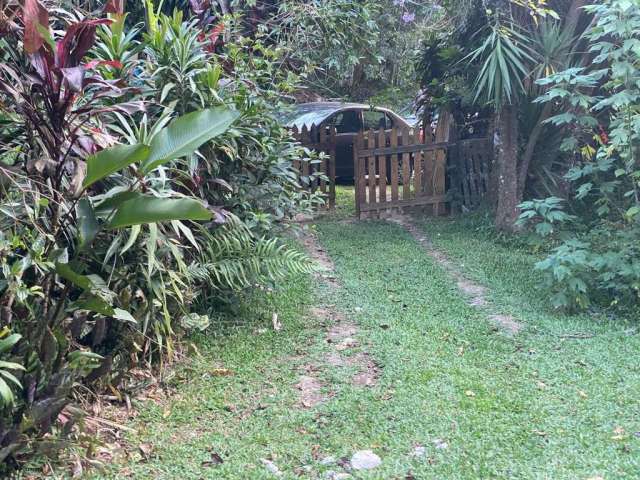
(348, 119)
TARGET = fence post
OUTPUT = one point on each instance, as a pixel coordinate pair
(443, 132)
(332, 168)
(358, 176)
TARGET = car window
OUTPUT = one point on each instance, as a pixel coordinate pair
(375, 120)
(347, 121)
(390, 122)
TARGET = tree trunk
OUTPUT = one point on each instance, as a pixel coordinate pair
(532, 142)
(507, 164)
(494, 131)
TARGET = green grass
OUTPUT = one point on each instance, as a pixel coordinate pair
(533, 406)
(544, 407)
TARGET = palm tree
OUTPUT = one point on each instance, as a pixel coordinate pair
(523, 43)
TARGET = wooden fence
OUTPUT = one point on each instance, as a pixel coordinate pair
(320, 140)
(471, 170)
(395, 170)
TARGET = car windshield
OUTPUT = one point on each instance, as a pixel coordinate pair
(301, 115)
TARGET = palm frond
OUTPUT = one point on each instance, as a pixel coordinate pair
(505, 55)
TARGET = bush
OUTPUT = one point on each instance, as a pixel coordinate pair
(601, 262)
(138, 179)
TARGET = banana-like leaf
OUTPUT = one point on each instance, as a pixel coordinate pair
(11, 377)
(112, 200)
(110, 160)
(6, 395)
(186, 134)
(10, 365)
(150, 209)
(8, 343)
(66, 272)
(87, 223)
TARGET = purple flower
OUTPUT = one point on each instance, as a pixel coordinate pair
(408, 17)
(398, 3)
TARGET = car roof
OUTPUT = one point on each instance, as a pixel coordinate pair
(314, 113)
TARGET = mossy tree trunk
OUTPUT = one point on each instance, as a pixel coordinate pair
(508, 195)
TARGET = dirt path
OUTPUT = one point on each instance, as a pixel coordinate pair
(475, 293)
(340, 334)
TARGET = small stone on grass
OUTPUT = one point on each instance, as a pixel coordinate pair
(365, 460)
(272, 467)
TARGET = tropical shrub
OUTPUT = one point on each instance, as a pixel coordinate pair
(124, 210)
(602, 123)
(483, 67)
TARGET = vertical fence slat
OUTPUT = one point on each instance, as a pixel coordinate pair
(332, 167)
(359, 171)
(464, 173)
(394, 166)
(472, 177)
(406, 167)
(417, 171)
(382, 166)
(372, 168)
(306, 140)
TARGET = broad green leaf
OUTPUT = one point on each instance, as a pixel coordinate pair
(87, 223)
(150, 209)
(93, 303)
(113, 199)
(11, 365)
(11, 377)
(8, 343)
(633, 211)
(110, 160)
(66, 272)
(5, 393)
(120, 314)
(185, 134)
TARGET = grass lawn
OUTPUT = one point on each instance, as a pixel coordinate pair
(544, 404)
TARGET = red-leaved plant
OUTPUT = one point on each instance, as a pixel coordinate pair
(59, 96)
(56, 99)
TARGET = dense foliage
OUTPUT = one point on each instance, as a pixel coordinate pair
(555, 84)
(358, 51)
(600, 261)
(143, 174)
(484, 67)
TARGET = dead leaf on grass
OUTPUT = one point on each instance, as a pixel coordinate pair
(215, 459)
(619, 434)
(277, 325)
(77, 470)
(145, 450)
(347, 343)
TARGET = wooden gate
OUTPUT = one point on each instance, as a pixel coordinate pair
(472, 168)
(309, 172)
(395, 170)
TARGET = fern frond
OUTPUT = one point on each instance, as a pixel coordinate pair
(235, 260)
